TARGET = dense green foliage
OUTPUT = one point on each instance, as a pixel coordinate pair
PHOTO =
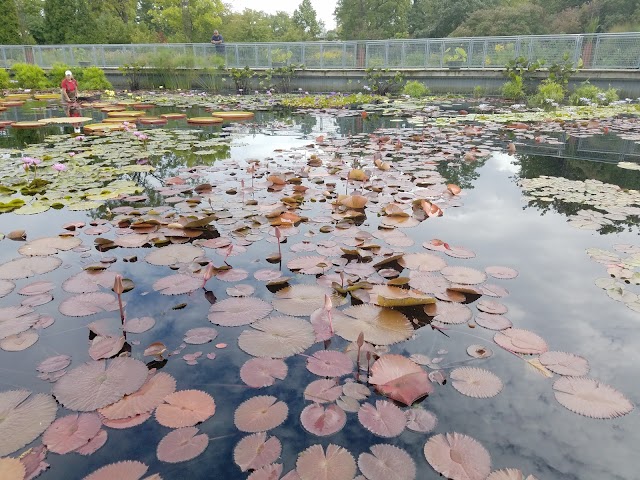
(330, 101)
(382, 81)
(30, 76)
(514, 89)
(10, 31)
(518, 19)
(305, 19)
(371, 19)
(415, 89)
(587, 94)
(550, 95)
(5, 79)
(56, 74)
(93, 78)
(147, 21)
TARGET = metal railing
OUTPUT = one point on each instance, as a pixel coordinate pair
(615, 51)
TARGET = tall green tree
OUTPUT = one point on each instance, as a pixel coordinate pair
(306, 19)
(438, 18)
(10, 31)
(31, 21)
(186, 20)
(520, 19)
(59, 20)
(248, 26)
(372, 19)
(284, 29)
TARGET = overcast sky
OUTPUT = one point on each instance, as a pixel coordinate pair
(324, 8)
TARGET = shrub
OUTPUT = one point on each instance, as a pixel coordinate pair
(5, 81)
(134, 73)
(381, 83)
(610, 96)
(479, 91)
(56, 74)
(29, 76)
(550, 95)
(514, 89)
(285, 75)
(241, 78)
(561, 72)
(93, 78)
(585, 94)
(415, 89)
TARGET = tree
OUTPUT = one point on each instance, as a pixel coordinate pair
(372, 19)
(10, 32)
(31, 21)
(520, 19)
(438, 18)
(59, 20)
(305, 18)
(284, 28)
(185, 20)
(248, 26)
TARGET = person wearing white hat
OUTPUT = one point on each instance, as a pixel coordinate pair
(69, 88)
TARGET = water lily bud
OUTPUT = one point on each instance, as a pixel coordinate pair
(118, 287)
(208, 271)
(328, 304)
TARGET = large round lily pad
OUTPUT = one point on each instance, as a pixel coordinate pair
(28, 267)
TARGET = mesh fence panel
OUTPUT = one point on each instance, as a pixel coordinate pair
(15, 54)
(597, 51)
(435, 52)
(611, 52)
(553, 50)
(375, 55)
(415, 54)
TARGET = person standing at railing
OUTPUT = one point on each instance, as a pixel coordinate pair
(69, 88)
(218, 41)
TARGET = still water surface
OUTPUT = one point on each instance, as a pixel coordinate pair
(554, 295)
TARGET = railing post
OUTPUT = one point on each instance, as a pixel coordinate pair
(403, 56)
(255, 55)
(426, 54)
(485, 53)
(237, 56)
(304, 54)
(269, 61)
(366, 55)
(594, 57)
(470, 54)
(578, 50)
(442, 44)
(4, 57)
(321, 55)
(344, 55)
(386, 54)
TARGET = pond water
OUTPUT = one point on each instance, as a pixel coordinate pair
(543, 229)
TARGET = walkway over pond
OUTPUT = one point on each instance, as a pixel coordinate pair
(614, 51)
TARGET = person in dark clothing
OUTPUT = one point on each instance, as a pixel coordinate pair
(218, 41)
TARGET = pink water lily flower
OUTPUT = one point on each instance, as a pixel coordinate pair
(28, 161)
(60, 167)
